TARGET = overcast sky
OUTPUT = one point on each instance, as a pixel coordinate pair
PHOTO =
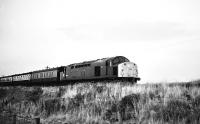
(161, 36)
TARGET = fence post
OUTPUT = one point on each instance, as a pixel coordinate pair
(37, 120)
(14, 118)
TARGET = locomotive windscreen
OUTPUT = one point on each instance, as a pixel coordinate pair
(119, 59)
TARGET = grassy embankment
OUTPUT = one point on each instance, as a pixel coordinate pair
(104, 103)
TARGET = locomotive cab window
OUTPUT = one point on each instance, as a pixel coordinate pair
(119, 60)
(115, 72)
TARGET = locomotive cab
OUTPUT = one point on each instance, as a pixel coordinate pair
(123, 68)
(114, 63)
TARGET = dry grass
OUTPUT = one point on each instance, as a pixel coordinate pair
(105, 103)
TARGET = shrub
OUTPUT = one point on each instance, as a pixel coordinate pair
(61, 91)
(34, 94)
(51, 106)
(196, 102)
(75, 102)
(175, 111)
(125, 109)
(3, 93)
(128, 106)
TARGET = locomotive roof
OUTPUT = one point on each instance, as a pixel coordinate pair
(98, 60)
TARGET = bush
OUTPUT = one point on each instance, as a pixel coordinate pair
(128, 106)
(125, 109)
(52, 106)
(61, 91)
(3, 93)
(34, 95)
(175, 111)
(75, 102)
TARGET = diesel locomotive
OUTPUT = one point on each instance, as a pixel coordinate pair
(118, 67)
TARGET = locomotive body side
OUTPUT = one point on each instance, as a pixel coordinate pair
(85, 70)
(77, 72)
(107, 68)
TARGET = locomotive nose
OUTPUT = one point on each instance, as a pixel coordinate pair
(127, 69)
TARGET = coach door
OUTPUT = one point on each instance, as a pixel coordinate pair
(97, 70)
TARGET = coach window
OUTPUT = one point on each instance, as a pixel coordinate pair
(52, 73)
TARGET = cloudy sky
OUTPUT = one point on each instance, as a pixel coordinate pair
(161, 36)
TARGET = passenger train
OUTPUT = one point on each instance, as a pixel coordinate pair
(118, 67)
